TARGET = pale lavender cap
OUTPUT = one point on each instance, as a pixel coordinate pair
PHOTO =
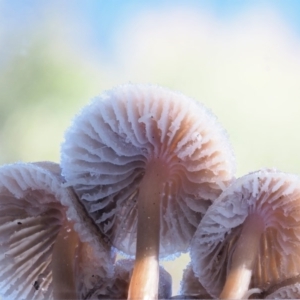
(32, 213)
(271, 196)
(107, 149)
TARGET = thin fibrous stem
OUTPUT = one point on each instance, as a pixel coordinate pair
(145, 277)
(245, 253)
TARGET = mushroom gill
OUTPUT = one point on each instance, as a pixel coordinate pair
(146, 163)
(31, 217)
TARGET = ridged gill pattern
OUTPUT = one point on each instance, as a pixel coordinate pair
(273, 197)
(110, 143)
(30, 219)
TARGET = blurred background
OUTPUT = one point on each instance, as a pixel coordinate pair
(239, 58)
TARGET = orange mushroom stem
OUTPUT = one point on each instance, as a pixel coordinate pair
(245, 253)
(145, 277)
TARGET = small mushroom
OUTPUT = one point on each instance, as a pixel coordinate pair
(146, 163)
(91, 271)
(37, 240)
(191, 288)
(31, 218)
(249, 238)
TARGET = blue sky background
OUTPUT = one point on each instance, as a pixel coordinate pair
(106, 17)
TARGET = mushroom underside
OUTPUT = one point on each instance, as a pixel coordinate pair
(270, 198)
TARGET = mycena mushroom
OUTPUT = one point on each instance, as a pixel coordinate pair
(37, 240)
(146, 163)
(94, 272)
(190, 287)
(31, 218)
(249, 239)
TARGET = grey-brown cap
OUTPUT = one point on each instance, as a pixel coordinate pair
(271, 199)
(110, 143)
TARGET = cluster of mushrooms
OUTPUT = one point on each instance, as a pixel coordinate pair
(149, 173)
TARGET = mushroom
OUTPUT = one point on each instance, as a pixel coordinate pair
(249, 238)
(190, 287)
(37, 239)
(91, 275)
(146, 163)
(31, 218)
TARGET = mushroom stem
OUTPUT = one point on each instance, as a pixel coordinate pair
(239, 276)
(63, 257)
(145, 277)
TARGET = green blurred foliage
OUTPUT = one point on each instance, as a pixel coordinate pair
(40, 91)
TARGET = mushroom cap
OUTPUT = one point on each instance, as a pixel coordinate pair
(110, 143)
(31, 216)
(272, 196)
